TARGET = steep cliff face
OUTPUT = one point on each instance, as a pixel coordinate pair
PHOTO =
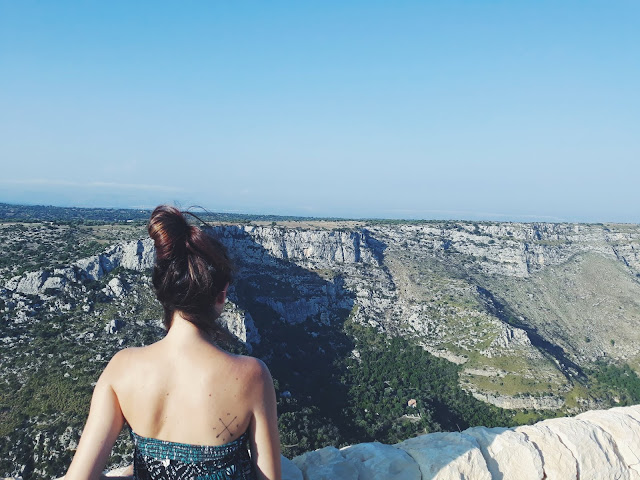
(510, 300)
(315, 249)
(517, 249)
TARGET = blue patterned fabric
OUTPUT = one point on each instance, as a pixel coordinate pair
(159, 459)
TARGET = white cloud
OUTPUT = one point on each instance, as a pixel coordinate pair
(42, 182)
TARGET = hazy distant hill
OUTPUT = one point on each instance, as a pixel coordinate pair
(35, 213)
(354, 319)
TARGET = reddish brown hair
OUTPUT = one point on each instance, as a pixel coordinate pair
(191, 268)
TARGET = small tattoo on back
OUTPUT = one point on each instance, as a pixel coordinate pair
(226, 426)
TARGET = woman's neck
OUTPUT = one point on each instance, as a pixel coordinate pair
(182, 330)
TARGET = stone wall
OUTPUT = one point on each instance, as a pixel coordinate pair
(598, 445)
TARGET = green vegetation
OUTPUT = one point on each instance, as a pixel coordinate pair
(575, 395)
(340, 398)
(618, 383)
(391, 371)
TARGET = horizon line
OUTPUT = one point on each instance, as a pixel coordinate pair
(482, 217)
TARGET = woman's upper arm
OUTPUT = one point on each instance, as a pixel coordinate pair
(103, 425)
(265, 439)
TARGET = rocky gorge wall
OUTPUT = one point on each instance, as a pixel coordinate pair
(422, 281)
(510, 249)
(573, 285)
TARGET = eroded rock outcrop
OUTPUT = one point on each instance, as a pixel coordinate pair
(137, 256)
(598, 445)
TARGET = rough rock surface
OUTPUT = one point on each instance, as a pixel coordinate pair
(115, 287)
(326, 464)
(595, 451)
(137, 255)
(113, 326)
(443, 456)
(601, 444)
(377, 461)
(508, 453)
(524, 401)
(289, 470)
(240, 324)
(616, 424)
(557, 460)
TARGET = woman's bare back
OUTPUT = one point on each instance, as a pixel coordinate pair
(184, 389)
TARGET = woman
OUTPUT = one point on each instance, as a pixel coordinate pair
(193, 408)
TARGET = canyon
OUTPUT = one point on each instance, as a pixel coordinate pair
(526, 313)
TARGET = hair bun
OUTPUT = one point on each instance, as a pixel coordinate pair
(191, 268)
(170, 231)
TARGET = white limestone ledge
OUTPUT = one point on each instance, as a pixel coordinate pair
(598, 445)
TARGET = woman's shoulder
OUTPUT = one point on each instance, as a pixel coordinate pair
(250, 370)
(240, 363)
(126, 359)
(254, 367)
(257, 377)
(128, 354)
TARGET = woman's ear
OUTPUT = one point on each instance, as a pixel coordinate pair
(222, 296)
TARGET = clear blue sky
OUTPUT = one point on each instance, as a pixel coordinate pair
(520, 110)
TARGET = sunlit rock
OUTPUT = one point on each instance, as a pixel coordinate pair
(594, 449)
(508, 454)
(447, 456)
(326, 464)
(557, 460)
(289, 469)
(377, 461)
(624, 429)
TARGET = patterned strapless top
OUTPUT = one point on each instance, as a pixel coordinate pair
(159, 459)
